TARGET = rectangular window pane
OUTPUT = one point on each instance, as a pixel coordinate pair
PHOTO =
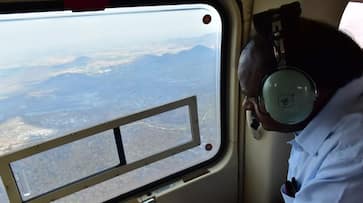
(3, 196)
(62, 165)
(156, 134)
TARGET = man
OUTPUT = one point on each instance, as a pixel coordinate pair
(326, 160)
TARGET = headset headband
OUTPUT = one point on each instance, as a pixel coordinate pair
(274, 25)
(288, 13)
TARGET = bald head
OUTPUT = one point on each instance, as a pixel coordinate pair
(255, 62)
(330, 57)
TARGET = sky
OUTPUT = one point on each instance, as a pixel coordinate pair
(27, 38)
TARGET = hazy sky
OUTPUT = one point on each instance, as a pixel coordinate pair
(29, 37)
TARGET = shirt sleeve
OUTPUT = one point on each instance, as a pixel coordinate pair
(340, 177)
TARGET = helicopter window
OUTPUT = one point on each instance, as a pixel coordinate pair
(351, 22)
(65, 72)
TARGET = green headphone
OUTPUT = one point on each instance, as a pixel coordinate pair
(287, 94)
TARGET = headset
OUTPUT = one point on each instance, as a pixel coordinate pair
(288, 93)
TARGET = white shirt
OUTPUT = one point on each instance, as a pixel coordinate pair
(327, 156)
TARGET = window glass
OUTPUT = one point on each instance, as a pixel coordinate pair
(62, 165)
(135, 179)
(156, 134)
(3, 196)
(351, 22)
(63, 72)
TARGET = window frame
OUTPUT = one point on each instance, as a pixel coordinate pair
(113, 171)
(222, 7)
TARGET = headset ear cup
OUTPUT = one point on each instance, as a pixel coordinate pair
(288, 95)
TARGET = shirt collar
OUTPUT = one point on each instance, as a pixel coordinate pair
(344, 100)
